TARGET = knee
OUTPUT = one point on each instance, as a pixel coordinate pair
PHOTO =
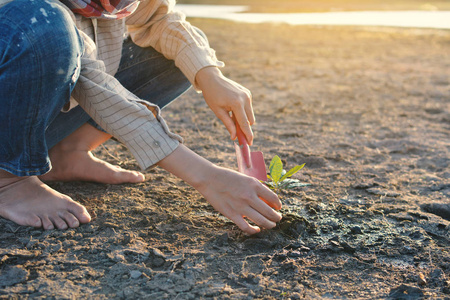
(57, 29)
(43, 28)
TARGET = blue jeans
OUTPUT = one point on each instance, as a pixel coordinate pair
(38, 72)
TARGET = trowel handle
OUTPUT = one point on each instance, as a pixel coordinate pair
(243, 144)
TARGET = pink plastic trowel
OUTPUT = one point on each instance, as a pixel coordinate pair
(249, 163)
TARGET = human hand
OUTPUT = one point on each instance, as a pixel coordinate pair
(238, 196)
(223, 96)
(235, 195)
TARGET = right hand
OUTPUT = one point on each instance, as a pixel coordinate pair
(223, 96)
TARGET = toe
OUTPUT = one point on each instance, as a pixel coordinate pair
(80, 213)
(125, 176)
(46, 223)
(71, 220)
(27, 219)
(34, 221)
(137, 177)
(59, 222)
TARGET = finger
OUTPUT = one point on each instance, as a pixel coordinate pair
(259, 219)
(265, 208)
(249, 109)
(244, 225)
(267, 211)
(268, 196)
(243, 122)
(228, 122)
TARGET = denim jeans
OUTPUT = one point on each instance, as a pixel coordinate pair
(38, 72)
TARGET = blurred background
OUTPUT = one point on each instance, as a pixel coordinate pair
(327, 5)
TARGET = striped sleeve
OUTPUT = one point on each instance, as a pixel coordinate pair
(135, 122)
(156, 24)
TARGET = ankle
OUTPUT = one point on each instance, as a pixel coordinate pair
(7, 178)
(86, 138)
(69, 145)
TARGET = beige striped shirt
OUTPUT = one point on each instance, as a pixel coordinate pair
(135, 122)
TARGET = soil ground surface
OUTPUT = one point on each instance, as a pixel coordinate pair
(367, 110)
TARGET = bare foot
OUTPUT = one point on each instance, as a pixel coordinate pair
(72, 160)
(29, 202)
(82, 165)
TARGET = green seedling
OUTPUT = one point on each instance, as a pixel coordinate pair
(279, 179)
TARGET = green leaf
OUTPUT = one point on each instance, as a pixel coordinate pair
(276, 168)
(274, 159)
(292, 172)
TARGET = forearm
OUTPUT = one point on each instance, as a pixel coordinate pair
(187, 165)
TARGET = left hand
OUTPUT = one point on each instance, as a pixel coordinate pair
(235, 195)
(223, 96)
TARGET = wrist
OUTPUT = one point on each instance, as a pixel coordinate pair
(189, 166)
(205, 75)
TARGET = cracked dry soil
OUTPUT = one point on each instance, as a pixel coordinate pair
(367, 110)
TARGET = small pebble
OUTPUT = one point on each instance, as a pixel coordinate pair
(135, 274)
(356, 230)
(421, 280)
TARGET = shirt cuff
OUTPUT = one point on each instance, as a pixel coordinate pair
(190, 60)
(150, 143)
